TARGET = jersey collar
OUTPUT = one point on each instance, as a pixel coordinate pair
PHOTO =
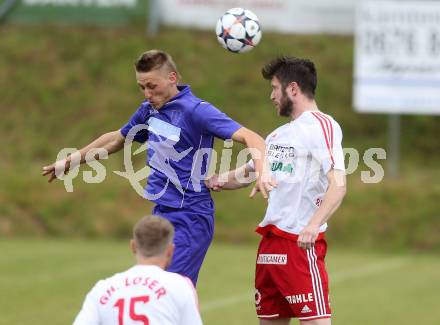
(184, 90)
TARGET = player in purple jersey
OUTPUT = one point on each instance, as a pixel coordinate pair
(179, 129)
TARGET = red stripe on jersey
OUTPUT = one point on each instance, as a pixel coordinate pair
(329, 124)
(327, 128)
(323, 120)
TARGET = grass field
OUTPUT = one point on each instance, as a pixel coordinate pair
(44, 282)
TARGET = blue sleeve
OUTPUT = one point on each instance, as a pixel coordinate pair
(212, 121)
(139, 120)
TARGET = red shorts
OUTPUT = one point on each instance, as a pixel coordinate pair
(290, 281)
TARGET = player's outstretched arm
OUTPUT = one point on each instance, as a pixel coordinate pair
(232, 180)
(330, 203)
(257, 148)
(111, 142)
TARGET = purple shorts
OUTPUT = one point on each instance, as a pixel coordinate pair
(193, 232)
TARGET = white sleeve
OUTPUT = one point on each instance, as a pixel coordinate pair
(326, 145)
(190, 311)
(89, 314)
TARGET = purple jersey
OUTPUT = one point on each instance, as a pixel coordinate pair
(180, 137)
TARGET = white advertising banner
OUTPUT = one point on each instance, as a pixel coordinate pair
(291, 16)
(397, 57)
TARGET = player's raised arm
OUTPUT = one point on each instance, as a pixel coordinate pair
(257, 148)
(111, 142)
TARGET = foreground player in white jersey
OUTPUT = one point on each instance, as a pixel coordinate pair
(144, 294)
(306, 160)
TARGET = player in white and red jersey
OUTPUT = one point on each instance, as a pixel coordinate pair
(144, 294)
(307, 164)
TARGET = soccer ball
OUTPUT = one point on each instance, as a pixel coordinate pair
(238, 30)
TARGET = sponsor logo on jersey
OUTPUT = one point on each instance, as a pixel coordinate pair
(164, 129)
(301, 298)
(280, 167)
(281, 152)
(318, 202)
(272, 259)
(306, 309)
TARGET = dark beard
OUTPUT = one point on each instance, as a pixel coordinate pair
(286, 105)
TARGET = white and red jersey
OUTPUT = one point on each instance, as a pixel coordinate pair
(144, 294)
(300, 154)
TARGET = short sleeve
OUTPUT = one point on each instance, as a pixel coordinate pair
(326, 143)
(190, 309)
(138, 124)
(89, 314)
(213, 121)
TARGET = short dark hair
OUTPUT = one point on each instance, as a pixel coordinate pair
(155, 60)
(152, 235)
(291, 69)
